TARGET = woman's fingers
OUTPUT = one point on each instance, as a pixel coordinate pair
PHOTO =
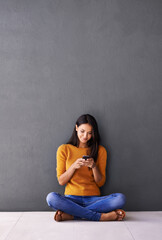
(82, 162)
(89, 162)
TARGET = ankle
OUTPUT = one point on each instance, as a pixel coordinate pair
(102, 218)
(67, 216)
(110, 216)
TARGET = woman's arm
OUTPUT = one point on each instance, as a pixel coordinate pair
(96, 172)
(67, 175)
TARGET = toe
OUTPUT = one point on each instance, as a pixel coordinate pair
(58, 217)
(120, 214)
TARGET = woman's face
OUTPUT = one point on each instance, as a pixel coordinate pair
(84, 133)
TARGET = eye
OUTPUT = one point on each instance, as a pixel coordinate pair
(83, 132)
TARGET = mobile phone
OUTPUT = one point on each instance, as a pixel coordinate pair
(85, 157)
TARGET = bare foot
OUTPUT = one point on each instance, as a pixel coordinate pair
(62, 216)
(116, 215)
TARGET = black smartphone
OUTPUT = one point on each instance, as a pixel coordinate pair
(85, 157)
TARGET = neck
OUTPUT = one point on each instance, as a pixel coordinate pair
(82, 146)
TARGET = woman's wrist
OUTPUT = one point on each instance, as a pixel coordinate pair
(94, 165)
(96, 173)
(73, 167)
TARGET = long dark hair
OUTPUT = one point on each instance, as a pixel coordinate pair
(94, 142)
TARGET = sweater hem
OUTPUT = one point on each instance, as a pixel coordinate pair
(82, 194)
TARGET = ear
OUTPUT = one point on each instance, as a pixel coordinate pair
(76, 127)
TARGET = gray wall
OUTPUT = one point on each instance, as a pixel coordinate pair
(63, 58)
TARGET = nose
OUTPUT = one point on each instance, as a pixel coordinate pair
(85, 136)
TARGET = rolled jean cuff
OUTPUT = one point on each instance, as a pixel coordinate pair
(96, 217)
(77, 218)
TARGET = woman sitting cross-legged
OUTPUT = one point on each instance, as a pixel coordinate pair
(81, 165)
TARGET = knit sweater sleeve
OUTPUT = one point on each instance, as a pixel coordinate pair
(101, 164)
(61, 160)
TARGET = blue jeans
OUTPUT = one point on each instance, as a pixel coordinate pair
(85, 207)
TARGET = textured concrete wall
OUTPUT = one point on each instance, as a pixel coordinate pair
(63, 58)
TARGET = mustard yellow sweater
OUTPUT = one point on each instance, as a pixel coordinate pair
(82, 182)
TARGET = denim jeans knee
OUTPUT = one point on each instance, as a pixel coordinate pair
(48, 198)
(51, 199)
(122, 199)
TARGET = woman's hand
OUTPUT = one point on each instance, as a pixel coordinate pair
(90, 163)
(79, 163)
(96, 172)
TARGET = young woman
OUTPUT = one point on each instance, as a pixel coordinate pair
(83, 178)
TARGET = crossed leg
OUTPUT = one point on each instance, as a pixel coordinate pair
(64, 204)
(97, 209)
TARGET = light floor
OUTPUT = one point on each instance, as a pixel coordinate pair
(41, 226)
